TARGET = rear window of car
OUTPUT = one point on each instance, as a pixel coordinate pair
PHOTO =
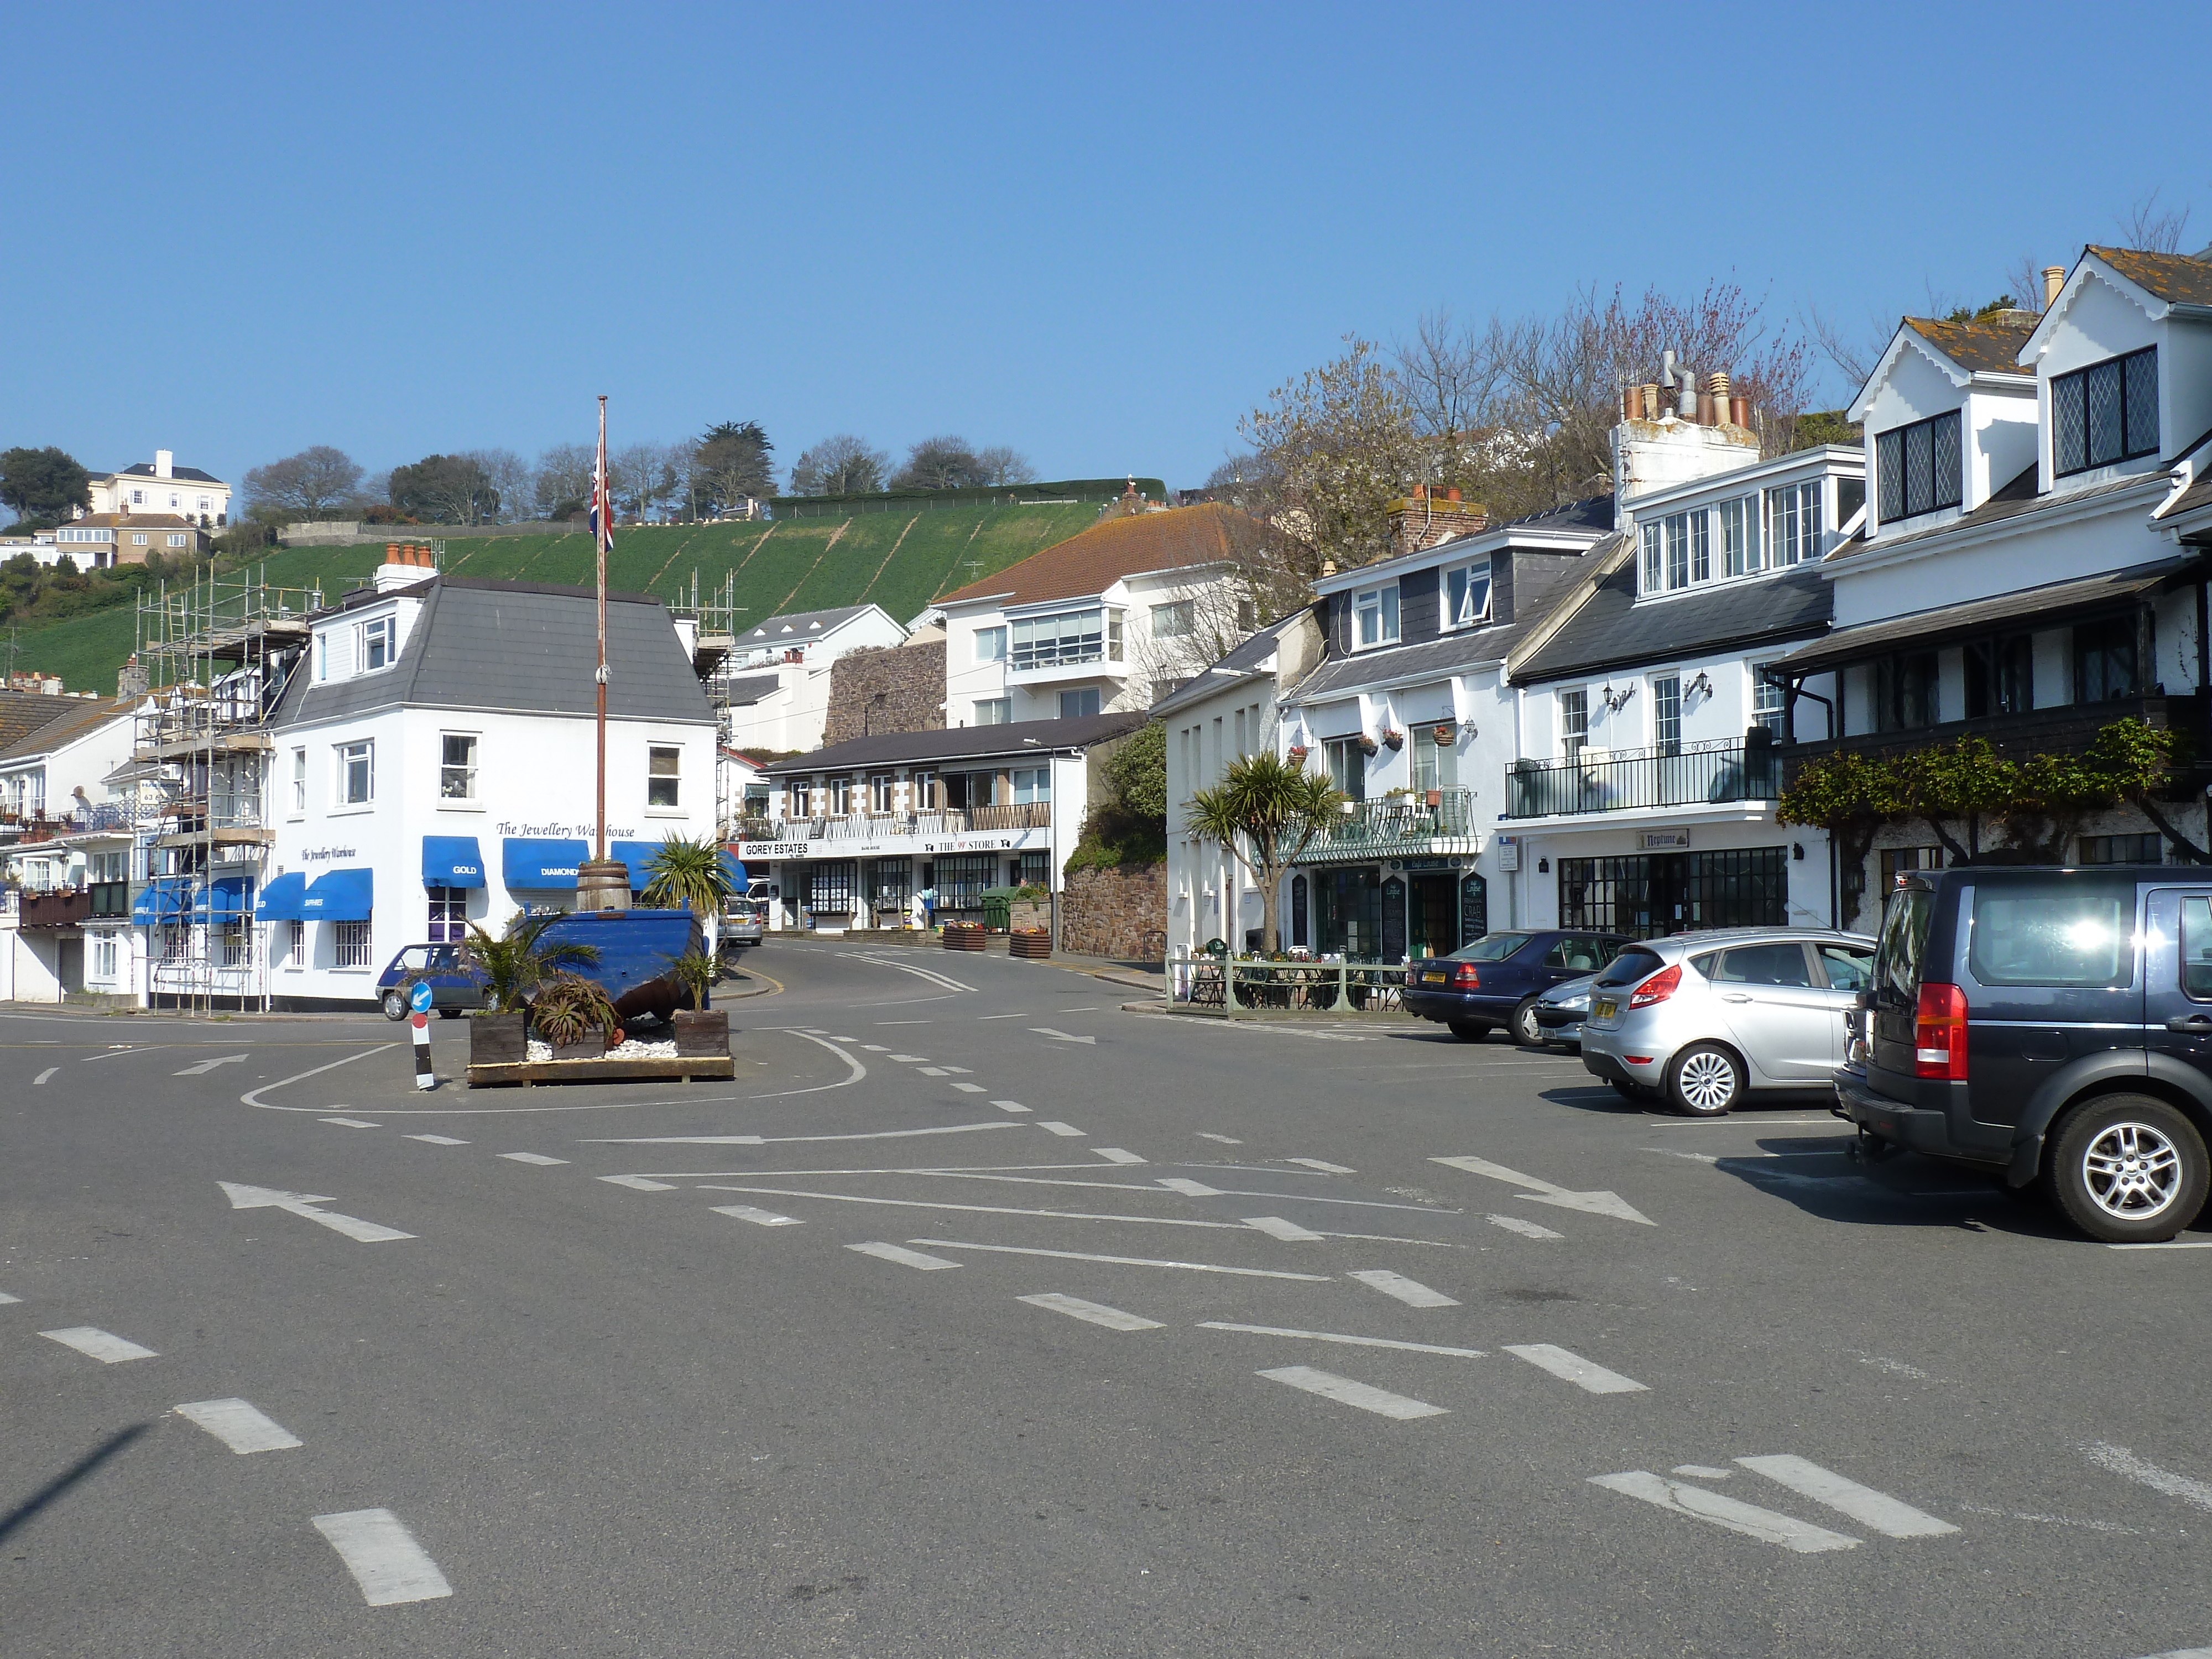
(1781, 964)
(1847, 965)
(2073, 933)
(1904, 937)
(1631, 965)
(1491, 947)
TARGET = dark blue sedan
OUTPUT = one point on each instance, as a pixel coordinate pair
(1496, 980)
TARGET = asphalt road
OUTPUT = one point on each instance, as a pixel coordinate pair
(979, 1317)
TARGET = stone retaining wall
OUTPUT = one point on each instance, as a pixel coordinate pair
(1120, 913)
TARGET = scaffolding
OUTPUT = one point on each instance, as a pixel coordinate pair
(713, 639)
(213, 657)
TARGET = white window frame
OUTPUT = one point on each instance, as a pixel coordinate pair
(1175, 619)
(656, 778)
(1380, 606)
(1032, 785)
(1767, 697)
(883, 792)
(1661, 742)
(1798, 507)
(994, 711)
(1080, 692)
(1574, 719)
(345, 756)
(295, 949)
(351, 944)
(923, 791)
(840, 796)
(467, 770)
(299, 783)
(1740, 542)
(377, 630)
(991, 643)
(1463, 607)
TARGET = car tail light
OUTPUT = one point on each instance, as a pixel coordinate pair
(1661, 986)
(1465, 977)
(1939, 1034)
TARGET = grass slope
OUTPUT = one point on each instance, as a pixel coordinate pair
(901, 560)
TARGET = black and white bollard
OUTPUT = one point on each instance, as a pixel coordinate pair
(420, 1019)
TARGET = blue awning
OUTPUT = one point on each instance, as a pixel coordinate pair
(230, 898)
(452, 861)
(282, 898)
(542, 866)
(166, 898)
(735, 871)
(638, 855)
(340, 895)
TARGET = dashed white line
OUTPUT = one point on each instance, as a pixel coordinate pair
(1348, 1341)
(44, 1075)
(239, 1426)
(1276, 1227)
(1189, 1188)
(1514, 1224)
(930, 1071)
(1095, 1313)
(911, 1060)
(969, 1088)
(383, 1557)
(1409, 1291)
(874, 1049)
(531, 1158)
(972, 1209)
(438, 1140)
(758, 1218)
(350, 1122)
(6, 1299)
(1343, 1390)
(903, 1256)
(1123, 1260)
(1768, 1526)
(1226, 1141)
(1059, 1128)
(1573, 1368)
(638, 1184)
(95, 1344)
(1116, 1155)
(962, 1071)
(1010, 1105)
(2121, 1462)
(1863, 1504)
(1322, 1164)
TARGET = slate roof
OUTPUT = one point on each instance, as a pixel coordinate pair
(2017, 496)
(750, 689)
(177, 474)
(23, 713)
(1021, 738)
(1610, 631)
(1092, 561)
(73, 718)
(134, 521)
(1979, 348)
(2179, 278)
(800, 625)
(1245, 658)
(518, 647)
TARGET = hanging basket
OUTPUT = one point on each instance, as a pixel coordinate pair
(1443, 733)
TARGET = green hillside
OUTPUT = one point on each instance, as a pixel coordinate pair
(901, 560)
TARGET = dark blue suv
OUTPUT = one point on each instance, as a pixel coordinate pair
(1496, 980)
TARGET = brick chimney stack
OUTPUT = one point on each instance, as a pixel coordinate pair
(1428, 518)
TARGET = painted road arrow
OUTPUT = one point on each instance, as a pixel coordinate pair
(268, 1198)
(207, 1066)
(1063, 1036)
(1544, 1192)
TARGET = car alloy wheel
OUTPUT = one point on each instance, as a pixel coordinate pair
(395, 1005)
(2132, 1171)
(1526, 1031)
(1705, 1080)
(2128, 1168)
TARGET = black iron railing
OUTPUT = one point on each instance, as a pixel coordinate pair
(1694, 774)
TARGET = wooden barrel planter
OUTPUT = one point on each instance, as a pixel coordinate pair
(1032, 943)
(964, 935)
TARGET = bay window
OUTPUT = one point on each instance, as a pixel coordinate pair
(1070, 636)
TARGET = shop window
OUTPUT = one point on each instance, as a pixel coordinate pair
(449, 915)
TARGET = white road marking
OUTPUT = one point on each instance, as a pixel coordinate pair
(931, 975)
(303, 1204)
(930, 1071)
(1275, 1227)
(1768, 1526)
(1407, 1290)
(638, 1184)
(1010, 1105)
(1544, 1192)
(2121, 1462)
(875, 1047)
(911, 1060)
(903, 1256)
(1863, 1504)
(531, 1158)
(1096, 1313)
(1349, 1342)
(383, 1557)
(962, 1071)
(95, 1344)
(1226, 1141)
(1322, 1164)
(253, 1096)
(1059, 1128)
(2184, 1653)
(239, 1426)
(438, 1140)
(758, 1218)
(1062, 1037)
(1573, 1368)
(2170, 1244)
(1700, 1471)
(1343, 1389)
(974, 1209)
(1188, 1189)
(969, 1088)
(780, 1140)
(7, 1300)
(1124, 1261)
(207, 1066)
(350, 1122)
(1116, 1155)
(1002, 1016)
(44, 1075)
(1514, 1224)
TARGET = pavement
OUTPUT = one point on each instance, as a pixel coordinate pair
(976, 1319)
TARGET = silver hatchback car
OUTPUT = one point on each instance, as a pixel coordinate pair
(1703, 1020)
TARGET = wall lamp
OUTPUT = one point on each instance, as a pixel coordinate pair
(1699, 686)
(1543, 866)
(1798, 851)
(1617, 701)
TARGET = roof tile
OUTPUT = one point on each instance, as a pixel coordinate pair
(1093, 560)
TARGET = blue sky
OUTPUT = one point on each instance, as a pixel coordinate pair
(1099, 235)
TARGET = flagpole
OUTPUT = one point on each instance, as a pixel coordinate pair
(605, 532)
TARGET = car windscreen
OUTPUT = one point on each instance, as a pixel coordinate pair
(1631, 965)
(1491, 947)
(2074, 932)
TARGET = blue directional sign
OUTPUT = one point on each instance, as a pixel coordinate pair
(419, 998)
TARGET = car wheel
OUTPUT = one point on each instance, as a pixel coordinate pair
(395, 1004)
(1470, 1030)
(1705, 1080)
(1526, 1031)
(2128, 1169)
(449, 1013)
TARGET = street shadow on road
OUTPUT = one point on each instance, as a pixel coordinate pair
(82, 1469)
(1833, 1183)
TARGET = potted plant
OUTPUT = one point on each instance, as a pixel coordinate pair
(1298, 752)
(572, 1014)
(1395, 739)
(700, 1030)
(964, 935)
(1443, 731)
(514, 966)
(1032, 943)
(1367, 744)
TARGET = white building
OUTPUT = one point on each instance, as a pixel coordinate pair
(776, 678)
(65, 852)
(1103, 623)
(433, 768)
(161, 486)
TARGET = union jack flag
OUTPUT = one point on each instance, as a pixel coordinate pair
(603, 517)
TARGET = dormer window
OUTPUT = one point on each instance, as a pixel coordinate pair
(1375, 616)
(1467, 595)
(2105, 413)
(1918, 467)
(379, 644)
(1678, 551)
(1793, 524)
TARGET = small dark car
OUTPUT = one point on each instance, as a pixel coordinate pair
(455, 988)
(1496, 980)
(2050, 1026)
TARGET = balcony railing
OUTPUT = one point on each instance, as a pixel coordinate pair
(107, 818)
(1697, 774)
(64, 908)
(887, 826)
(1375, 828)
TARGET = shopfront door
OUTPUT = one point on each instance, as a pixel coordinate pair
(1432, 914)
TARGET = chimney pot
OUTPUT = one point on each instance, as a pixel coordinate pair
(1739, 410)
(2054, 278)
(1717, 385)
(391, 552)
(1632, 402)
(1650, 392)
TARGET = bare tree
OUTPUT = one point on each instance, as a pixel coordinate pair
(1000, 465)
(563, 484)
(842, 464)
(313, 481)
(2147, 226)
(510, 476)
(644, 479)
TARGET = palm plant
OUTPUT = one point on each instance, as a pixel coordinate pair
(518, 961)
(691, 973)
(1266, 810)
(689, 870)
(568, 1007)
